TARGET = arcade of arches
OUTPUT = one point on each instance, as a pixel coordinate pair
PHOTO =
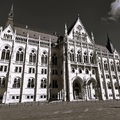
(84, 89)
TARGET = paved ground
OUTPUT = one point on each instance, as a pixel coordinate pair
(107, 110)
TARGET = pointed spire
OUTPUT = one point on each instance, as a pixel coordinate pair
(78, 16)
(110, 46)
(10, 17)
(66, 31)
(11, 14)
(92, 37)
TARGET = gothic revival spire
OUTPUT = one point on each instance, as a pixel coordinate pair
(10, 17)
(110, 46)
(92, 37)
(66, 31)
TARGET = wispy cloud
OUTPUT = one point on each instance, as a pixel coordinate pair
(114, 13)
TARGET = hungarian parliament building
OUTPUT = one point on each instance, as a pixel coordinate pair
(41, 67)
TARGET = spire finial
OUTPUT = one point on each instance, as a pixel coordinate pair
(78, 16)
(11, 13)
(92, 36)
(66, 31)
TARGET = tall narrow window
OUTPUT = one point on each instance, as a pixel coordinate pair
(32, 57)
(72, 55)
(2, 82)
(118, 67)
(43, 83)
(31, 83)
(20, 55)
(54, 59)
(109, 85)
(54, 84)
(5, 53)
(105, 65)
(112, 66)
(91, 58)
(44, 58)
(85, 57)
(79, 56)
(16, 83)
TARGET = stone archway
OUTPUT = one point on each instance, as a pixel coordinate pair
(91, 88)
(77, 88)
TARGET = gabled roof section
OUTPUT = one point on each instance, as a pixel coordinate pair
(78, 31)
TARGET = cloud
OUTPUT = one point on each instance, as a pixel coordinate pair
(114, 13)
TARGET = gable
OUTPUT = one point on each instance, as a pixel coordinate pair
(7, 33)
(77, 31)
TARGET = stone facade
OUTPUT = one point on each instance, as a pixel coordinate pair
(36, 66)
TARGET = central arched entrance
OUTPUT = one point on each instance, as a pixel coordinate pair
(77, 90)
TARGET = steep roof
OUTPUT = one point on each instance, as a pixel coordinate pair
(23, 31)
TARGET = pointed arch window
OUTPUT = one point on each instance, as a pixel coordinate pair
(20, 55)
(109, 85)
(2, 82)
(80, 70)
(72, 55)
(85, 57)
(116, 85)
(5, 53)
(105, 65)
(32, 56)
(43, 83)
(54, 59)
(86, 71)
(31, 83)
(118, 67)
(79, 56)
(91, 58)
(16, 83)
(44, 58)
(112, 66)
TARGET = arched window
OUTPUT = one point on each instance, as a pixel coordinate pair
(109, 85)
(54, 59)
(112, 66)
(116, 85)
(85, 57)
(100, 66)
(91, 58)
(72, 55)
(2, 82)
(118, 67)
(86, 71)
(16, 83)
(31, 83)
(105, 65)
(20, 55)
(80, 70)
(93, 71)
(32, 56)
(79, 56)
(43, 83)
(5, 53)
(44, 58)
